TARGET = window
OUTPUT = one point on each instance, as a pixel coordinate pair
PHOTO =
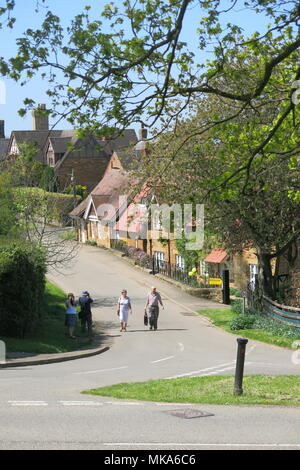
(160, 258)
(253, 271)
(14, 148)
(204, 268)
(180, 262)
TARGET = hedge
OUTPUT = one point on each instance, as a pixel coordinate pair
(40, 202)
(22, 285)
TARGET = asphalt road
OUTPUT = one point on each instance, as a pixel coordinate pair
(41, 406)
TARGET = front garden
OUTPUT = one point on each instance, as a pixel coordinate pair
(253, 325)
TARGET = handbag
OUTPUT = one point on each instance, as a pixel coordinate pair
(145, 318)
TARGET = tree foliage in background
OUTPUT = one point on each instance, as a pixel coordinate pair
(128, 64)
(30, 211)
(257, 207)
(237, 151)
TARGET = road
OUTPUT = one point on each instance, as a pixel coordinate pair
(41, 406)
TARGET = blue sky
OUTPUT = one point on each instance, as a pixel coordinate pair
(66, 10)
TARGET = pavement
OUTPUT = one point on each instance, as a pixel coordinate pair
(20, 359)
(23, 359)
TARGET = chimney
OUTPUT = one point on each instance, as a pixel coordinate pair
(40, 120)
(143, 133)
(2, 132)
(141, 146)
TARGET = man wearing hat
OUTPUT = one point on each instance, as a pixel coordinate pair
(85, 313)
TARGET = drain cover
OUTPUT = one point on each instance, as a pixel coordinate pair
(189, 413)
(189, 314)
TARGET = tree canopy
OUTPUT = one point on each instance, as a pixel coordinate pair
(251, 194)
(224, 101)
(127, 65)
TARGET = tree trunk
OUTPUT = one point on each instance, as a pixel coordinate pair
(265, 276)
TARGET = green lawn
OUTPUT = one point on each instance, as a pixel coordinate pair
(51, 336)
(258, 390)
(222, 318)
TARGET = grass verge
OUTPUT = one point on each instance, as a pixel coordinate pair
(222, 318)
(50, 337)
(216, 390)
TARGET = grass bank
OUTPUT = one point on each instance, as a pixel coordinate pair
(50, 337)
(223, 317)
(215, 390)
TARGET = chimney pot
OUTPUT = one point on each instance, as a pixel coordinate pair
(143, 133)
(40, 122)
(2, 132)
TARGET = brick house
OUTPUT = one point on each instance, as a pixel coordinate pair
(87, 159)
(75, 161)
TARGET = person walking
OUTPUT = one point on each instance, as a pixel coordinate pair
(85, 313)
(124, 307)
(71, 314)
(152, 303)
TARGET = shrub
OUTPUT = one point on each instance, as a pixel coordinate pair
(138, 255)
(237, 306)
(234, 291)
(91, 243)
(242, 322)
(22, 283)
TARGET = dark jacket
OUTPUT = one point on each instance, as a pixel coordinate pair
(85, 304)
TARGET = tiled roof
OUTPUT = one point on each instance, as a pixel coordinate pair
(40, 138)
(81, 208)
(216, 256)
(108, 190)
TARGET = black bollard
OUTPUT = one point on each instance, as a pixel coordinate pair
(226, 287)
(239, 370)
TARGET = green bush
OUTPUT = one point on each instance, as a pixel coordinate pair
(242, 322)
(234, 291)
(22, 284)
(237, 306)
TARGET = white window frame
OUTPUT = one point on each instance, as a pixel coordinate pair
(253, 270)
(180, 263)
(160, 257)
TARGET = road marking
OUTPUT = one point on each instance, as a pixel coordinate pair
(216, 371)
(181, 347)
(203, 370)
(100, 370)
(161, 360)
(27, 403)
(251, 348)
(81, 403)
(197, 444)
(120, 403)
